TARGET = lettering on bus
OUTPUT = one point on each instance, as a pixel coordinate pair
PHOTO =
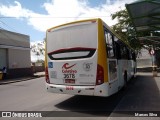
(68, 71)
(87, 66)
(69, 88)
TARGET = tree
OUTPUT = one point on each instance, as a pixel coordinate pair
(38, 49)
(125, 29)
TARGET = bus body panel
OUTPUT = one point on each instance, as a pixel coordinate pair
(113, 76)
(102, 53)
(83, 34)
(74, 90)
(73, 53)
(122, 66)
(69, 63)
(79, 72)
(100, 90)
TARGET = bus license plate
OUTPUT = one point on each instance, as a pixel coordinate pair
(72, 81)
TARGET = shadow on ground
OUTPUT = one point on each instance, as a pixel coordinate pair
(91, 105)
(141, 94)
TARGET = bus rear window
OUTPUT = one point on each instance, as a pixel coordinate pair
(71, 53)
(72, 41)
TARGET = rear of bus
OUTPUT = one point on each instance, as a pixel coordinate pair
(73, 64)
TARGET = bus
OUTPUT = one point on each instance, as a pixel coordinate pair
(87, 58)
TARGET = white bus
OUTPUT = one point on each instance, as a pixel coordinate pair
(87, 58)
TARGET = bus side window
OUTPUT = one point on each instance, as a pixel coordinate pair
(123, 51)
(109, 44)
(133, 56)
(117, 47)
(129, 54)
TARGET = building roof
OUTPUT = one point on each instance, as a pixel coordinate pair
(145, 14)
(10, 39)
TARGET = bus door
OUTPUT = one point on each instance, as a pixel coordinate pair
(112, 62)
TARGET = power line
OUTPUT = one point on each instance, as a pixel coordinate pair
(56, 17)
(9, 30)
(5, 34)
(7, 25)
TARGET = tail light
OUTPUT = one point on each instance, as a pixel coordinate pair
(100, 75)
(47, 75)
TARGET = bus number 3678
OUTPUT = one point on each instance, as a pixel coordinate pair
(66, 76)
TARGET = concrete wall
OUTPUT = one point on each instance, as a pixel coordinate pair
(19, 58)
(14, 39)
(18, 53)
(144, 63)
(3, 57)
(144, 59)
(38, 69)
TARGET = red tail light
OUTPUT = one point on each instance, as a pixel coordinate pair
(100, 75)
(47, 75)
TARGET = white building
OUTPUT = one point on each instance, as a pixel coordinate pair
(144, 59)
(15, 53)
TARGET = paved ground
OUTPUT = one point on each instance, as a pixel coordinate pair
(32, 96)
(36, 75)
(142, 94)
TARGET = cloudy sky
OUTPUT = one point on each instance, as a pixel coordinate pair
(34, 17)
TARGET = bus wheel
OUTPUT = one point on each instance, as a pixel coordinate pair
(125, 79)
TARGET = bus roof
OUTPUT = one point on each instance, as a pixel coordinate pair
(79, 21)
(94, 19)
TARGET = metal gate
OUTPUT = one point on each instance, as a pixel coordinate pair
(3, 58)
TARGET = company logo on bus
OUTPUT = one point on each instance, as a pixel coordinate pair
(67, 68)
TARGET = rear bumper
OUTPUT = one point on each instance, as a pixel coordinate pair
(99, 90)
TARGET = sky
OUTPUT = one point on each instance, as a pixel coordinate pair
(34, 17)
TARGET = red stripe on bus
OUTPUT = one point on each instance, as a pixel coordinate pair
(72, 49)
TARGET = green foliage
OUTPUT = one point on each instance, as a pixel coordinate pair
(38, 49)
(125, 29)
(130, 35)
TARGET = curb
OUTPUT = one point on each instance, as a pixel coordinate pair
(20, 80)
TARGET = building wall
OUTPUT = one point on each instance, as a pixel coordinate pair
(17, 50)
(3, 58)
(19, 58)
(144, 59)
